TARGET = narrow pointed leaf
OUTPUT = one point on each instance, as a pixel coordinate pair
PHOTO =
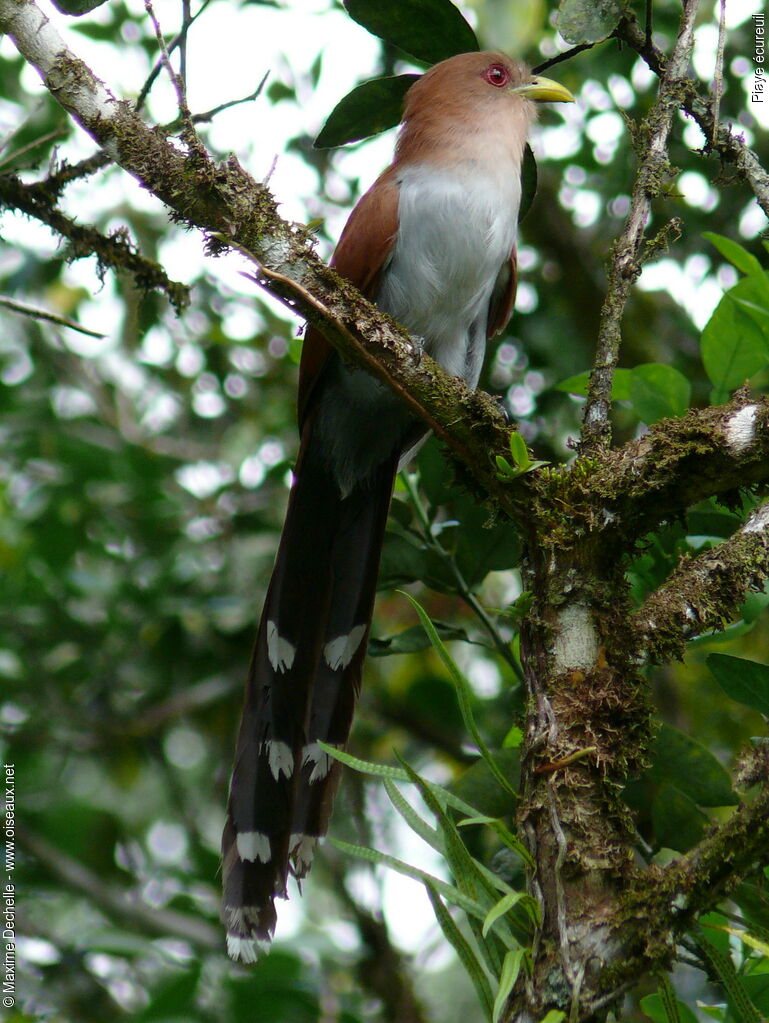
(364, 766)
(448, 891)
(739, 1001)
(504, 905)
(510, 970)
(417, 824)
(746, 938)
(462, 947)
(464, 694)
(504, 833)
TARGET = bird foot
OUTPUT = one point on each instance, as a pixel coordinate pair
(417, 348)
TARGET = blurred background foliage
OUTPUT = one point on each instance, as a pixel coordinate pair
(143, 477)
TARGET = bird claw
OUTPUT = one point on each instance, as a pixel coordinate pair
(417, 348)
(499, 401)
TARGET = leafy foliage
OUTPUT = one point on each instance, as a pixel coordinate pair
(140, 498)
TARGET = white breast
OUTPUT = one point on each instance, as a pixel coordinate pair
(457, 228)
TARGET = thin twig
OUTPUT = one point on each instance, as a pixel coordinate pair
(186, 22)
(115, 251)
(718, 77)
(42, 314)
(627, 254)
(561, 57)
(188, 133)
(730, 147)
(463, 589)
(58, 133)
(117, 902)
(55, 182)
(174, 44)
(209, 115)
(176, 80)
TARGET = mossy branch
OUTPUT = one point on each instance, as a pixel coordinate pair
(678, 463)
(115, 251)
(669, 898)
(704, 592)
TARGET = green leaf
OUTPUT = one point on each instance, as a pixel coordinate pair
(430, 30)
(464, 694)
(742, 680)
(511, 967)
(734, 343)
(739, 1000)
(513, 739)
(405, 560)
(479, 787)
(756, 986)
(173, 999)
(76, 7)
(658, 392)
(417, 824)
(369, 109)
(500, 908)
(666, 1011)
(469, 875)
(737, 255)
(461, 946)
(448, 891)
(669, 1001)
(678, 822)
(528, 182)
(681, 761)
(707, 519)
(587, 21)
(507, 837)
(554, 1016)
(518, 450)
(444, 796)
(413, 639)
(506, 471)
(484, 546)
(748, 939)
(365, 766)
(578, 384)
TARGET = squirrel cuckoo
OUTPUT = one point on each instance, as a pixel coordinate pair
(433, 244)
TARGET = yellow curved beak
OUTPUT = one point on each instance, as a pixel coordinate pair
(544, 90)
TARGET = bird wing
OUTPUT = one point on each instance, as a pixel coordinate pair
(503, 296)
(362, 254)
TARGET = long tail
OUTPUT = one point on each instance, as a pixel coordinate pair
(302, 685)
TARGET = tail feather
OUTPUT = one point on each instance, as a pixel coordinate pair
(302, 685)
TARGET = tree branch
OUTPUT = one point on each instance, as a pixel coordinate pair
(731, 147)
(669, 899)
(225, 202)
(627, 253)
(38, 200)
(676, 464)
(118, 903)
(44, 314)
(704, 591)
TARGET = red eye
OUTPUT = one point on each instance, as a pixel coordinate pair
(496, 74)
